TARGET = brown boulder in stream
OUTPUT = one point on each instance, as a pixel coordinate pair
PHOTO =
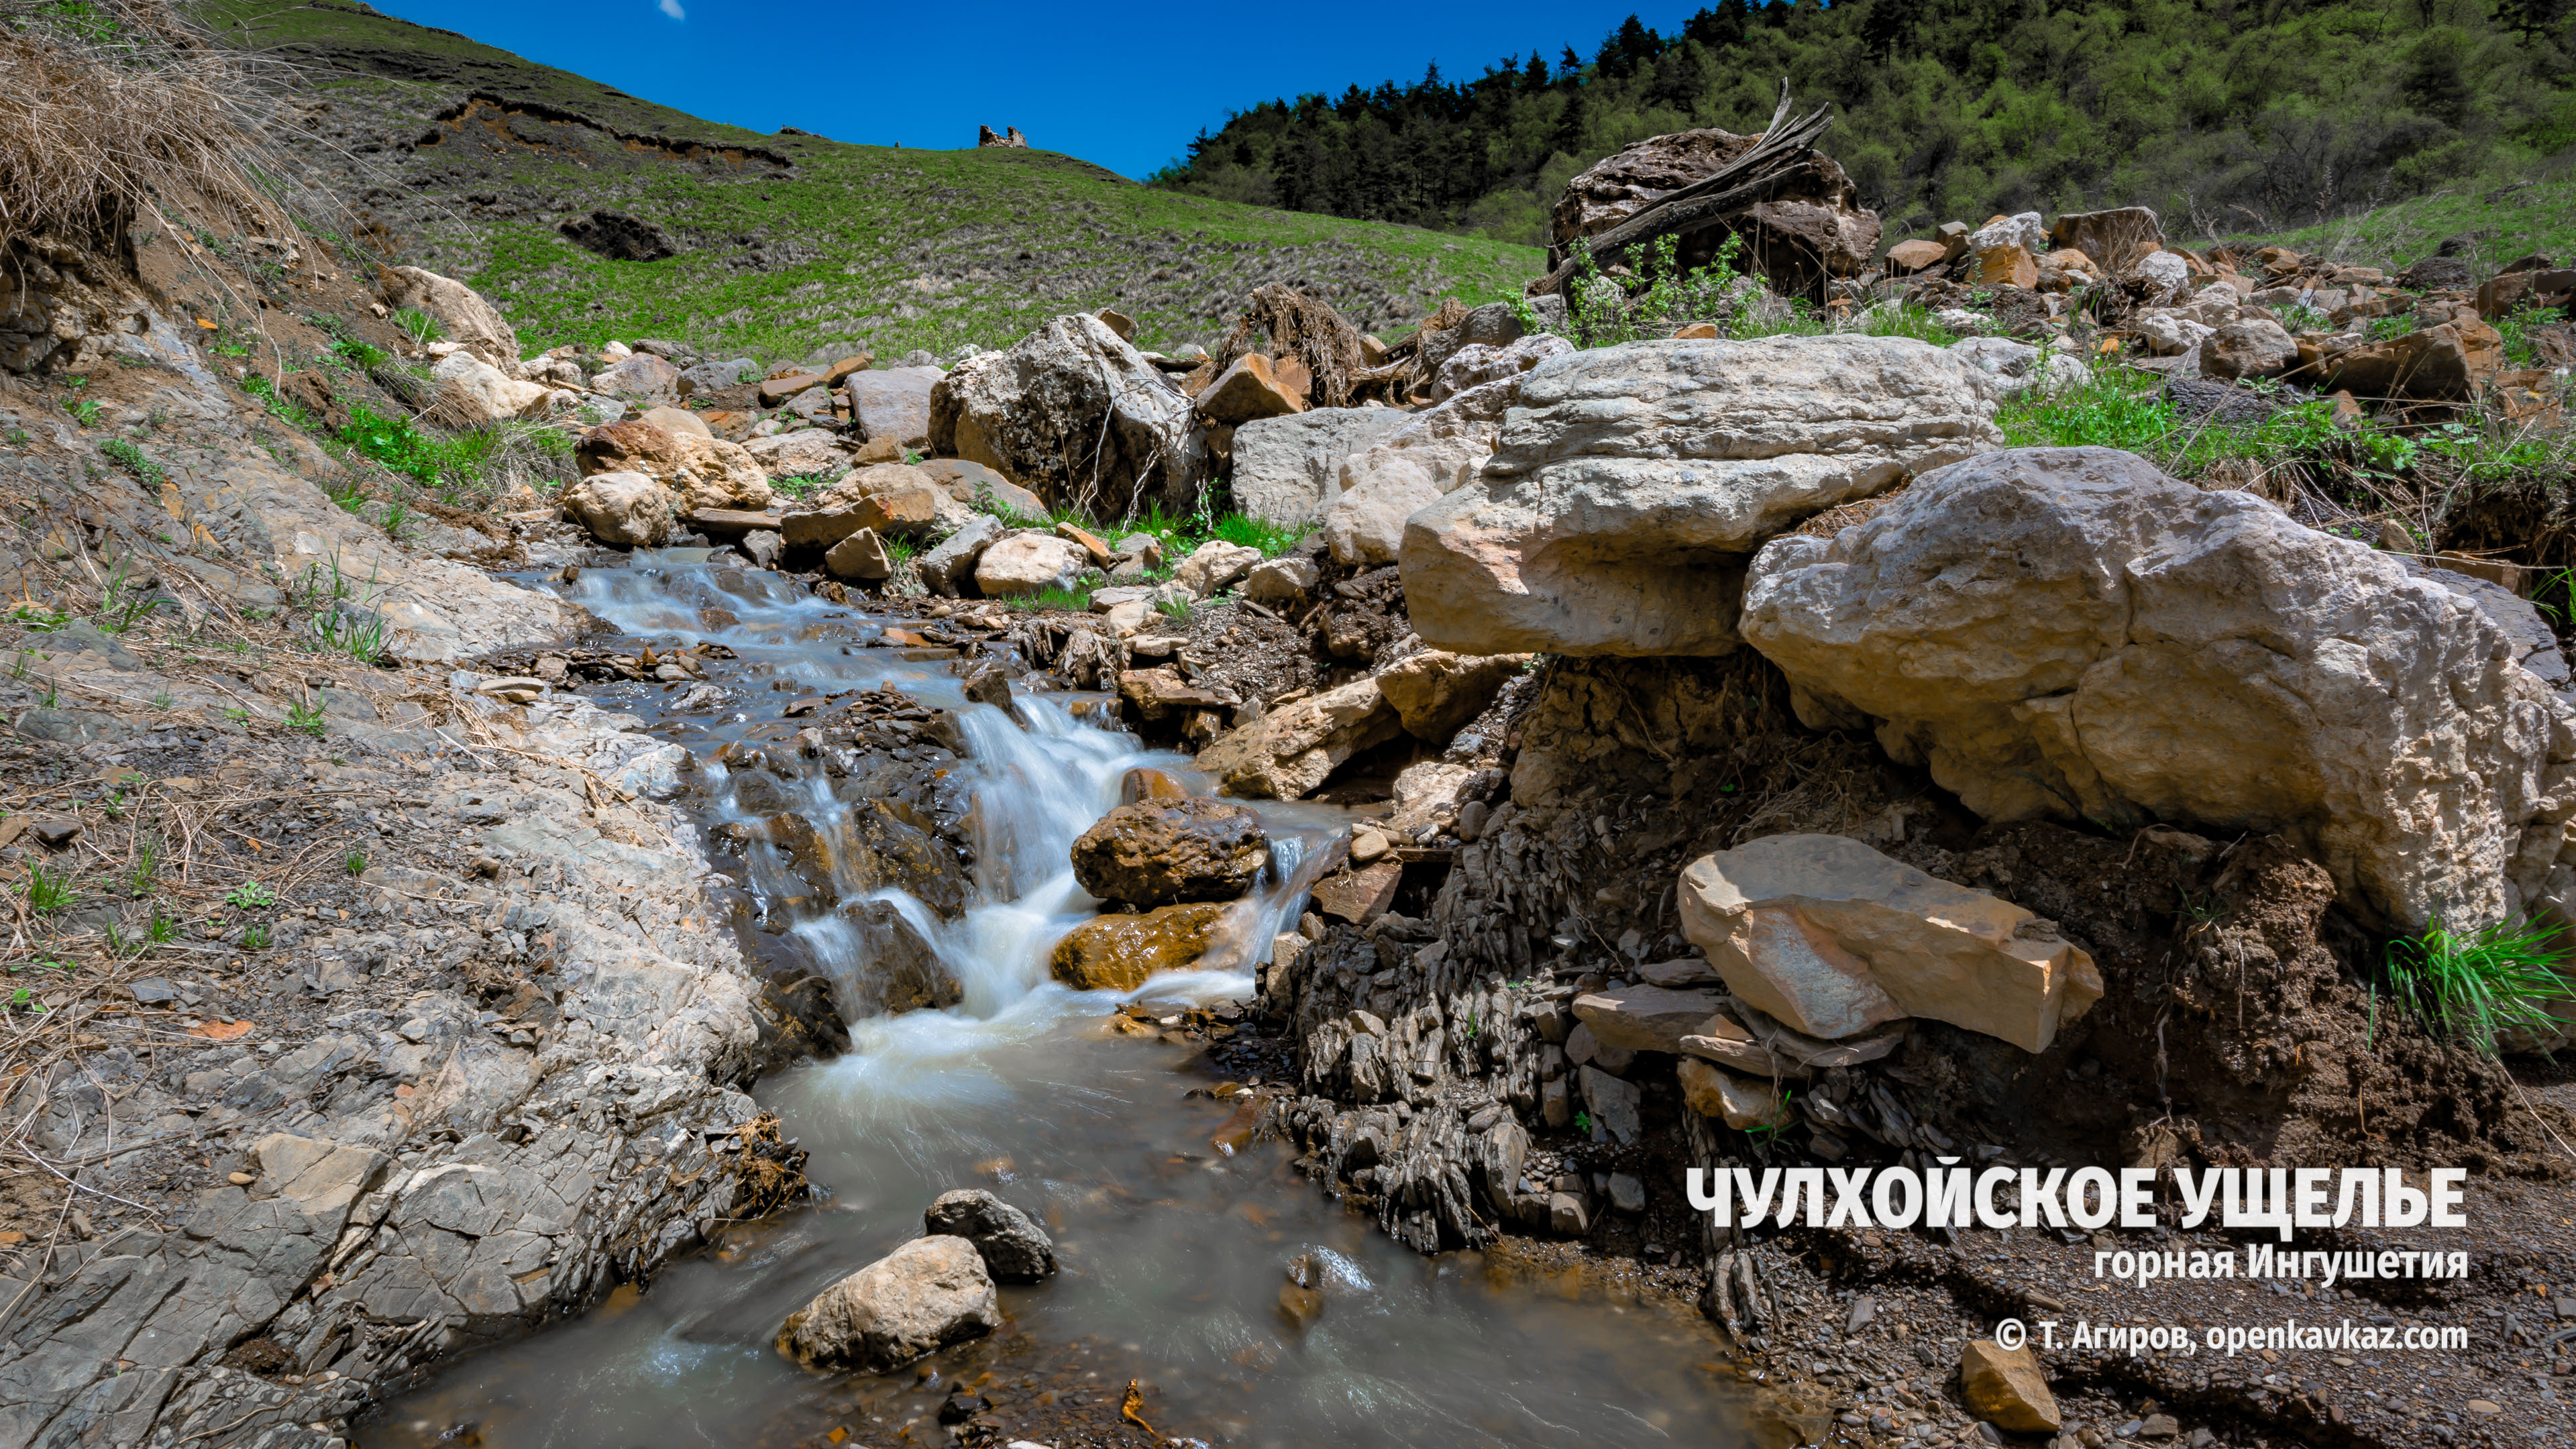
(1157, 852)
(1117, 953)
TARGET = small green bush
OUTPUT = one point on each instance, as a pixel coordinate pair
(2484, 985)
(418, 325)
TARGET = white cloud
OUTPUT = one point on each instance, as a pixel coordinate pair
(672, 9)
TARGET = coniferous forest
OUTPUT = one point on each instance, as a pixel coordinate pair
(2226, 117)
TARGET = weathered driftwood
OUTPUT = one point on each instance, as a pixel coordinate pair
(1784, 154)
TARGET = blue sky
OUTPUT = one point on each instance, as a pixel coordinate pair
(1125, 86)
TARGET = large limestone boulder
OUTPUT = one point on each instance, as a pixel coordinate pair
(625, 510)
(1286, 469)
(473, 393)
(1117, 952)
(1078, 417)
(700, 472)
(1287, 753)
(1834, 938)
(1429, 453)
(893, 403)
(1014, 1248)
(922, 1297)
(1157, 852)
(1633, 483)
(460, 311)
(1478, 364)
(2069, 633)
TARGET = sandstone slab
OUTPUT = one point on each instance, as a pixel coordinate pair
(1434, 691)
(1429, 453)
(2006, 1388)
(1834, 938)
(1743, 1103)
(1646, 1018)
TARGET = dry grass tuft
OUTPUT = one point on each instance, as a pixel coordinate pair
(112, 110)
(1304, 326)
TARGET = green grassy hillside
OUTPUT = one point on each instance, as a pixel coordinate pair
(449, 154)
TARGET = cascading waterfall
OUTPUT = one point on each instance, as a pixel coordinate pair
(1174, 1251)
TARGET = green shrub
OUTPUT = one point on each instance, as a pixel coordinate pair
(418, 325)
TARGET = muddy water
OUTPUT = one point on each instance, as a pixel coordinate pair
(1174, 1247)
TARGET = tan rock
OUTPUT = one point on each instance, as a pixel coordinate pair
(2005, 266)
(1359, 896)
(1646, 1018)
(1028, 563)
(700, 472)
(1287, 753)
(1834, 938)
(1907, 257)
(1118, 322)
(1435, 692)
(861, 555)
(1724, 1040)
(1743, 1103)
(1248, 390)
(1117, 952)
(473, 393)
(680, 420)
(1634, 483)
(2005, 1387)
(628, 510)
(460, 311)
(922, 1297)
(1215, 565)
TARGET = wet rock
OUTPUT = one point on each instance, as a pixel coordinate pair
(626, 510)
(1834, 938)
(903, 969)
(2120, 646)
(922, 1297)
(1117, 952)
(1156, 853)
(1147, 783)
(1633, 483)
(1014, 1248)
(1287, 753)
(2006, 1388)
(1434, 691)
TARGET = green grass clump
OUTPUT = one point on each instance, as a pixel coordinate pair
(1076, 600)
(135, 461)
(1273, 539)
(2482, 986)
(418, 325)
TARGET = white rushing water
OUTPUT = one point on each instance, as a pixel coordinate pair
(1173, 1243)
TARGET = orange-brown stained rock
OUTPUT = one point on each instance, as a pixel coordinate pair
(1117, 953)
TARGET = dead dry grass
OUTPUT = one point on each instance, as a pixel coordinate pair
(118, 110)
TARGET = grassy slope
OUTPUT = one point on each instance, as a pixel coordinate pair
(853, 245)
(2517, 222)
